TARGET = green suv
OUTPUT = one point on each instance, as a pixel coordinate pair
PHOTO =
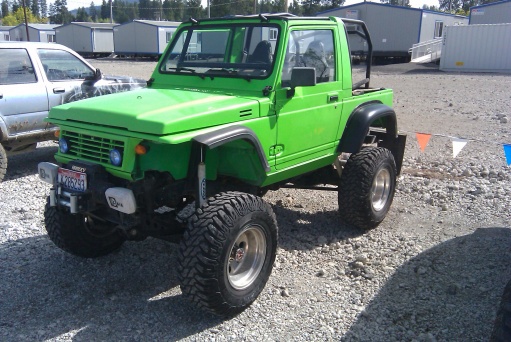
(236, 106)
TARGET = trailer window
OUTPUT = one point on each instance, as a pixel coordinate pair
(439, 27)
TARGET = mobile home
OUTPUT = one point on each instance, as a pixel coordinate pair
(87, 38)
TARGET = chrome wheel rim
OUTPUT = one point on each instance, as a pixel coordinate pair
(246, 257)
(380, 190)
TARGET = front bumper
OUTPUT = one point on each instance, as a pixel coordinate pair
(99, 193)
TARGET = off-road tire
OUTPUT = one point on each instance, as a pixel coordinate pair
(3, 163)
(73, 233)
(209, 259)
(502, 326)
(367, 187)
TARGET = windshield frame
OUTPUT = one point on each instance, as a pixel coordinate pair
(244, 70)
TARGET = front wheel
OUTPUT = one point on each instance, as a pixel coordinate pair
(227, 253)
(81, 235)
(367, 187)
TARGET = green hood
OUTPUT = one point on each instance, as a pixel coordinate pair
(159, 111)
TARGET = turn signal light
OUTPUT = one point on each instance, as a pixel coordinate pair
(57, 133)
(140, 149)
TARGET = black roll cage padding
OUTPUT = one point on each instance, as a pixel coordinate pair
(359, 124)
(365, 35)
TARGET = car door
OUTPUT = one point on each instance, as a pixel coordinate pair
(308, 121)
(23, 97)
(65, 74)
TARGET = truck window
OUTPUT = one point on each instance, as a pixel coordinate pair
(60, 65)
(16, 67)
(245, 51)
(310, 48)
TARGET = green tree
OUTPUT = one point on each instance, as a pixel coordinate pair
(405, 3)
(105, 10)
(43, 8)
(35, 8)
(145, 9)
(93, 12)
(124, 12)
(18, 17)
(59, 14)
(194, 9)
(295, 8)
(82, 15)
(5, 9)
(220, 8)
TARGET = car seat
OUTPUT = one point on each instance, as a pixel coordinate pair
(315, 57)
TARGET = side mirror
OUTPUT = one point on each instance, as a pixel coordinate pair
(301, 77)
(97, 75)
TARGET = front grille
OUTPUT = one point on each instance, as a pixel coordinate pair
(93, 148)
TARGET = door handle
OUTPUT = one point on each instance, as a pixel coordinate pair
(59, 90)
(333, 98)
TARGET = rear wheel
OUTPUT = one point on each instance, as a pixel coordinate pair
(367, 187)
(227, 253)
(81, 235)
(3, 162)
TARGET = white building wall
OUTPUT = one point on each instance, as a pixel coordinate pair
(477, 48)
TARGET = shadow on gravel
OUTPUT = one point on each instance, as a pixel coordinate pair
(24, 164)
(449, 287)
(300, 230)
(130, 295)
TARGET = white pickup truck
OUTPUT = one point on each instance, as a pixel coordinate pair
(35, 77)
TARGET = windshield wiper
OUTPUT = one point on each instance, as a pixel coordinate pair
(179, 69)
(211, 73)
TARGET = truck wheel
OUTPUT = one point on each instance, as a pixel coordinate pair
(79, 234)
(502, 326)
(3, 162)
(227, 252)
(367, 187)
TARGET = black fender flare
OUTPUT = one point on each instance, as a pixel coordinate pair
(360, 121)
(225, 135)
(359, 124)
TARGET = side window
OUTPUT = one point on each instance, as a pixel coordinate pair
(16, 67)
(60, 65)
(310, 48)
(51, 38)
(168, 36)
(439, 27)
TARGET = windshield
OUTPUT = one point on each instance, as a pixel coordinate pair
(245, 51)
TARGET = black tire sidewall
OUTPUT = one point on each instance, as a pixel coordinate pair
(355, 196)
(379, 215)
(242, 298)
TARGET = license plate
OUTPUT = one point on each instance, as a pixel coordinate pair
(72, 180)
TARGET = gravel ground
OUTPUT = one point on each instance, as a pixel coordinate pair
(432, 271)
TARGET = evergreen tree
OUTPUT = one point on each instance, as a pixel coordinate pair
(43, 8)
(145, 10)
(82, 15)
(59, 14)
(93, 12)
(105, 10)
(35, 8)
(124, 12)
(194, 9)
(295, 8)
(405, 3)
(178, 10)
(5, 8)
(220, 8)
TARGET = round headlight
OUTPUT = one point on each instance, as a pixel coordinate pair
(64, 145)
(116, 157)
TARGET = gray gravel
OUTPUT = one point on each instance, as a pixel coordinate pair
(432, 271)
